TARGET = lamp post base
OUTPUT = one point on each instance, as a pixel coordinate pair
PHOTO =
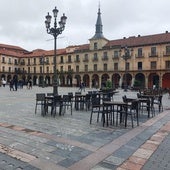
(55, 89)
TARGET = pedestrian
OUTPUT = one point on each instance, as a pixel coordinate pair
(15, 81)
(80, 87)
(11, 85)
(3, 82)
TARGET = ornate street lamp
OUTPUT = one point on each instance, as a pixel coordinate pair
(55, 31)
(126, 56)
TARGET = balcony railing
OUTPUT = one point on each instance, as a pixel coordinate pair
(105, 58)
(155, 54)
(85, 60)
(95, 59)
(139, 55)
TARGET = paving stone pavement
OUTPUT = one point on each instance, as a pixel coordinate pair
(69, 142)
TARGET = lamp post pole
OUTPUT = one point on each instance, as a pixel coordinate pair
(125, 57)
(55, 31)
(43, 62)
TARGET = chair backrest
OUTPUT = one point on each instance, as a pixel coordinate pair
(40, 97)
(57, 99)
(95, 99)
(66, 98)
(138, 95)
(50, 94)
(70, 94)
(134, 105)
(77, 93)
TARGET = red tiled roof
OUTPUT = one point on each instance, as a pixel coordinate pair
(10, 53)
(41, 52)
(5, 46)
(141, 40)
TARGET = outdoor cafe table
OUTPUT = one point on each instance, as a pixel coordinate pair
(116, 107)
(49, 101)
(79, 100)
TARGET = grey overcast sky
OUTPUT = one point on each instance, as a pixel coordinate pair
(22, 21)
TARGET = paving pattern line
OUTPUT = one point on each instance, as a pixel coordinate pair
(102, 153)
(142, 154)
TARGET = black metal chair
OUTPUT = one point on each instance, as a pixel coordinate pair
(96, 106)
(132, 110)
(67, 102)
(57, 102)
(158, 101)
(40, 100)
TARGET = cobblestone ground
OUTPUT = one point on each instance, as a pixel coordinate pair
(69, 142)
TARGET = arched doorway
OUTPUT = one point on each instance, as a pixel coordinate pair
(127, 79)
(166, 80)
(77, 80)
(105, 77)
(139, 80)
(69, 80)
(153, 79)
(115, 80)
(86, 80)
(95, 81)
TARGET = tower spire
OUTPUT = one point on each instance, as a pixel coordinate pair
(99, 26)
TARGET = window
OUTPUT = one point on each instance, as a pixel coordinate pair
(140, 52)
(34, 69)
(115, 66)
(40, 69)
(47, 69)
(105, 67)
(9, 69)
(153, 64)
(77, 68)
(95, 57)
(3, 59)
(9, 61)
(167, 50)
(16, 62)
(47, 60)
(95, 67)
(153, 51)
(61, 59)
(77, 58)
(3, 69)
(127, 66)
(95, 46)
(29, 61)
(28, 69)
(61, 68)
(34, 61)
(69, 58)
(105, 57)
(167, 64)
(139, 65)
(86, 57)
(69, 68)
(116, 54)
(86, 68)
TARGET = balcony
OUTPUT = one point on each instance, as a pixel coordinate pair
(86, 60)
(154, 54)
(139, 55)
(77, 60)
(105, 58)
(166, 54)
(115, 58)
(95, 59)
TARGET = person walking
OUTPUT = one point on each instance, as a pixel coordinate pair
(11, 85)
